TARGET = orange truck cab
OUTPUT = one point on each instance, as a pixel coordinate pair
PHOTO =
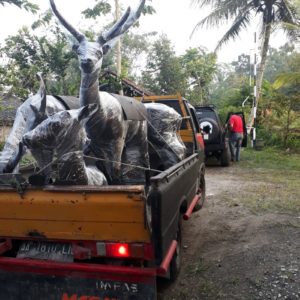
(95, 243)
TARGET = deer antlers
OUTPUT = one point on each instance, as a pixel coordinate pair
(121, 26)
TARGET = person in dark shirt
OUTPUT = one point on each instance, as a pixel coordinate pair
(236, 128)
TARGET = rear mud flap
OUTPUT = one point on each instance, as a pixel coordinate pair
(45, 281)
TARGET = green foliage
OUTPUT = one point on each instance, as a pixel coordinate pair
(230, 86)
(243, 12)
(27, 5)
(199, 68)
(289, 75)
(272, 13)
(26, 54)
(163, 74)
(286, 79)
(279, 110)
(104, 7)
(277, 61)
(189, 74)
(242, 65)
(101, 8)
(134, 46)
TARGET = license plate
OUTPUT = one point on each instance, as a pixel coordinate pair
(28, 286)
(205, 136)
(61, 252)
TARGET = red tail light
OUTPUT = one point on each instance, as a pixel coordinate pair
(117, 250)
(200, 140)
(88, 249)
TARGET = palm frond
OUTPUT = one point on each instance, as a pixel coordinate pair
(288, 19)
(286, 79)
(286, 12)
(240, 22)
(223, 11)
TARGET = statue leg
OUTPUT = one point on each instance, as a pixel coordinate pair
(135, 155)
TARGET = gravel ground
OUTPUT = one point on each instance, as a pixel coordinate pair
(231, 251)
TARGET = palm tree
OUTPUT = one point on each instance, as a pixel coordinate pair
(273, 14)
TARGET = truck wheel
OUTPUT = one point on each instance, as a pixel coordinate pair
(175, 264)
(202, 191)
(225, 157)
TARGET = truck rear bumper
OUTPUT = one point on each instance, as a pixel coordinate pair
(32, 279)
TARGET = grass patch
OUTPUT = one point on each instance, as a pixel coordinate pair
(198, 268)
(270, 158)
(270, 182)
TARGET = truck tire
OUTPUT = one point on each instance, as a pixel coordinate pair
(175, 264)
(202, 191)
(225, 157)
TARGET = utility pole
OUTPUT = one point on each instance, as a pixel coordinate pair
(119, 56)
(252, 123)
(254, 92)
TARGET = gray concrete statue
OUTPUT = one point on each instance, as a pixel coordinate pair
(62, 136)
(115, 136)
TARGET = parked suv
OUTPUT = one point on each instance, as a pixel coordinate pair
(215, 134)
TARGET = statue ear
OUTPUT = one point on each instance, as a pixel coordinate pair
(87, 111)
(34, 109)
(109, 45)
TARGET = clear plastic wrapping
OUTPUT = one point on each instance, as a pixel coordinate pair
(118, 141)
(31, 113)
(60, 139)
(163, 125)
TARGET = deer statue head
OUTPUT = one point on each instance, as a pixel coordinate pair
(90, 54)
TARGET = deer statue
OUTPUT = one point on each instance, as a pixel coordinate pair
(32, 112)
(117, 133)
(62, 135)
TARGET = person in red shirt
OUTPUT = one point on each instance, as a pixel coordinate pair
(236, 128)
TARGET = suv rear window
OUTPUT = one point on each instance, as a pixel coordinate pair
(205, 114)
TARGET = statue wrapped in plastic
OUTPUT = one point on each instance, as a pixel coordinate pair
(166, 146)
(62, 136)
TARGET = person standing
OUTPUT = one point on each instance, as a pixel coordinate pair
(236, 127)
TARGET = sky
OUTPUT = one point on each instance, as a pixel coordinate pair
(175, 18)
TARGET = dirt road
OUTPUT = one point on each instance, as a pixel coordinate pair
(245, 242)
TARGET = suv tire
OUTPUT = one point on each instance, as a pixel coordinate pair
(225, 157)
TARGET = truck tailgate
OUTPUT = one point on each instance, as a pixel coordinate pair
(75, 213)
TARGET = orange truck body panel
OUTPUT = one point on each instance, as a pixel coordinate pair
(75, 213)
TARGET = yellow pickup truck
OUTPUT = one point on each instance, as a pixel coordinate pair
(94, 243)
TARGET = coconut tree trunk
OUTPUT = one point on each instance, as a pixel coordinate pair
(262, 66)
